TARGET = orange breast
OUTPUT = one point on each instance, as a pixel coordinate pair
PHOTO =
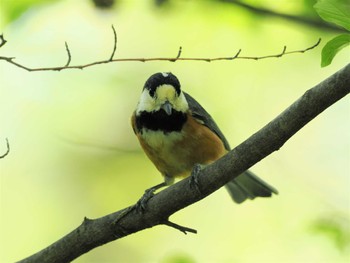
(175, 154)
(204, 145)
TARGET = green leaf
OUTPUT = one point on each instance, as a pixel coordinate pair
(11, 10)
(333, 47)
(334, 11)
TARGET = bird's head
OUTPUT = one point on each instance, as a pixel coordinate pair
(162, 92)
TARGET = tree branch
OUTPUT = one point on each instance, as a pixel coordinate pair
(7, 151)
(68, 54)
(2, 40)
(111, 59)
(183, 229)
(93, 233)
(115, 43)
(295, 18)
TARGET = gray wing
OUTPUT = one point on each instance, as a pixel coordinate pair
(248, 186)
(245, 186)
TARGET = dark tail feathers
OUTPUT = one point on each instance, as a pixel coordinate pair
(248, 185)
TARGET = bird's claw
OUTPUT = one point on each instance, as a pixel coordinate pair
(141, 204)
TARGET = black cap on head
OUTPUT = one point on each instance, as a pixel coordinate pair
(162, 78)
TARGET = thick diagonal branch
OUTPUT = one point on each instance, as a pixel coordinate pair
(93, 233)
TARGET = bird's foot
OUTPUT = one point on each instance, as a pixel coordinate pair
(141, 204)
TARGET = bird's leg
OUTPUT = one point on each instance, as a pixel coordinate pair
(140, 206)
(194, 182)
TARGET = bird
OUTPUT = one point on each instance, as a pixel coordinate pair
(178, 134)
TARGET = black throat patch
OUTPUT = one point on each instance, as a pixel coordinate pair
(161, 121)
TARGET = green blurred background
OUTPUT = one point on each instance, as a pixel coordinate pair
(73, 152)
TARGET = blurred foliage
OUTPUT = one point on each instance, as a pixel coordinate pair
(103, 3)
(308, 8)
(178, 258)
(336, 228)
(11, 10)
(301, 7)
(159, 3)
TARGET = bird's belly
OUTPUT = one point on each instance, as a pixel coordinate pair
(164, 151)
(175, 153)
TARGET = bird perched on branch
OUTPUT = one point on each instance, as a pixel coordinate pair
(178, 134)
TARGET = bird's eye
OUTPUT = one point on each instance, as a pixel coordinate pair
(152, 92)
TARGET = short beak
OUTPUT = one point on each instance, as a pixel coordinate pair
(167, 107)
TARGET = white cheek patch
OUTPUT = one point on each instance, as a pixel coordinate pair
(180, 103)
(146, 103)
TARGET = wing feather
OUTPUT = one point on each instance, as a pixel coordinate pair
(204, 117)
(245, 186)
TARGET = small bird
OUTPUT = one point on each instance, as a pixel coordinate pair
(177, 134)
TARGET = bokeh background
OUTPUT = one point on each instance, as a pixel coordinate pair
(73, 152)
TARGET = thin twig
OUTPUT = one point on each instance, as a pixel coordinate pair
(69, 55)
(7, 151)
(307, 49)
(178, 55)
(177, 58)
(115, 43)
(2, 40)
(183, 229)
(283, 51)
(237, 54)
